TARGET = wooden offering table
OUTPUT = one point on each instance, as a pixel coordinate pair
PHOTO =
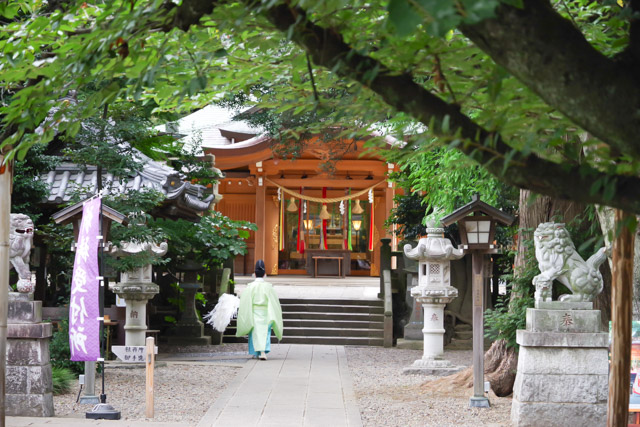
(325, 263)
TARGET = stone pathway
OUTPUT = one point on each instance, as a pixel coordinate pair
(300, 385)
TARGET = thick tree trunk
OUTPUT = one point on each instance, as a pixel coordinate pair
(603, 302)
(501, 362)
(618, 408)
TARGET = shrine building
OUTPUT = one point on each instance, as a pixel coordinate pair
(310, 221)
(304, 213)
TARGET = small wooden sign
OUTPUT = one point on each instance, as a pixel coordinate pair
(477, 296)
(131, 353)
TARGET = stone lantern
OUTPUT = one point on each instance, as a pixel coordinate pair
(433, 292)
(189, 330)
(136, 288)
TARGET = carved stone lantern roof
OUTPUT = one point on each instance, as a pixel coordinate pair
(132, 248)
(435, 247)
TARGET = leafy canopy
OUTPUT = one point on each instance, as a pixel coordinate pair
(534, 108)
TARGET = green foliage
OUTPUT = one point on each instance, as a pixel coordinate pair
(63, 380)
(509, 313)
(507, 317)
(128, 51)
(448, 180)
(60, 351)
(28, 189)
(408, 215)
(211, 241)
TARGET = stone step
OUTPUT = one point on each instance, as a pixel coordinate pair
(363, 317)
(349, 324)
(359, 341)
(324, 308)
(333, 332)
(334, 301)
(330, 321)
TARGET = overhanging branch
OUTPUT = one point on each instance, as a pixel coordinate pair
(551, 56)
(327, 48)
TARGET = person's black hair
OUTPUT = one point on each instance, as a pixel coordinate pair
(260, 268)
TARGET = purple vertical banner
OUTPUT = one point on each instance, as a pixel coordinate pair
(84, 310)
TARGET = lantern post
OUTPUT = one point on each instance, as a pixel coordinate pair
(477, 224)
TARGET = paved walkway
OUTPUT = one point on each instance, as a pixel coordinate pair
(300, 385)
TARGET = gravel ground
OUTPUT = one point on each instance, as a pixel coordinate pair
(184, 391)
(387, 397)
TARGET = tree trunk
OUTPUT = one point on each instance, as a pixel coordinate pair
(623, 253)
(607, 224)
(501, 362)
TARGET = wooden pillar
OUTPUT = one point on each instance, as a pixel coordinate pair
(260, 219)
(388, 200)
(5, 214)
(271, 216)
(621, 297)
(478, 400)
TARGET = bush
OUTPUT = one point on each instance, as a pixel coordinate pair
(60, 352)
(63, 379)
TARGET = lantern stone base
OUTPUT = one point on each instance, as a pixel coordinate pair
(29, 385)
(437, 367)
(563, 369)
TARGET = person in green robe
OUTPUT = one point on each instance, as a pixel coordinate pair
(259, 312)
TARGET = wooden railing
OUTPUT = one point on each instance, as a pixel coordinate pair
(388, 309)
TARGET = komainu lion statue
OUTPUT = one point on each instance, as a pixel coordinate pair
(21, 238)
(558, 260)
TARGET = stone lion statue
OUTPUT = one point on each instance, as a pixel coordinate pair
(21, 239)
(558, 260)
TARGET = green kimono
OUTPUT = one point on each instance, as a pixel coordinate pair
(259, 310)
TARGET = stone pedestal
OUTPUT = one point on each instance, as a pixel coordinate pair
(563, 367)
(29, 387)
(189, 330)
(136, 296)
(432, 362)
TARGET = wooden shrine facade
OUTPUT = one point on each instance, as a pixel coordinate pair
(284, 198)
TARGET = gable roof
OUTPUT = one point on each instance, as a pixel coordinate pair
(477, 205)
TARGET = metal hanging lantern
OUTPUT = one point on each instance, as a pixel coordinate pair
(292, 205)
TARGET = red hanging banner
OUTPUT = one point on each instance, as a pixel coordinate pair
(324, 221)
(371, 222)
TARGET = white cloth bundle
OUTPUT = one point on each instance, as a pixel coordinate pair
(225, 310)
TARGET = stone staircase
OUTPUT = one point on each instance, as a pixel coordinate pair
(327, 321)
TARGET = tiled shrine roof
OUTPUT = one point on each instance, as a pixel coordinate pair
(183, 199)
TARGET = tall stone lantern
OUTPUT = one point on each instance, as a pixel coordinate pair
(136, 288)
(433, 292)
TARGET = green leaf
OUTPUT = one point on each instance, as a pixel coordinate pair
(403, 17)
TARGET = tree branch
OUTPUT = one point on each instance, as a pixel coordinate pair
(551, 56)
(327, 49)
